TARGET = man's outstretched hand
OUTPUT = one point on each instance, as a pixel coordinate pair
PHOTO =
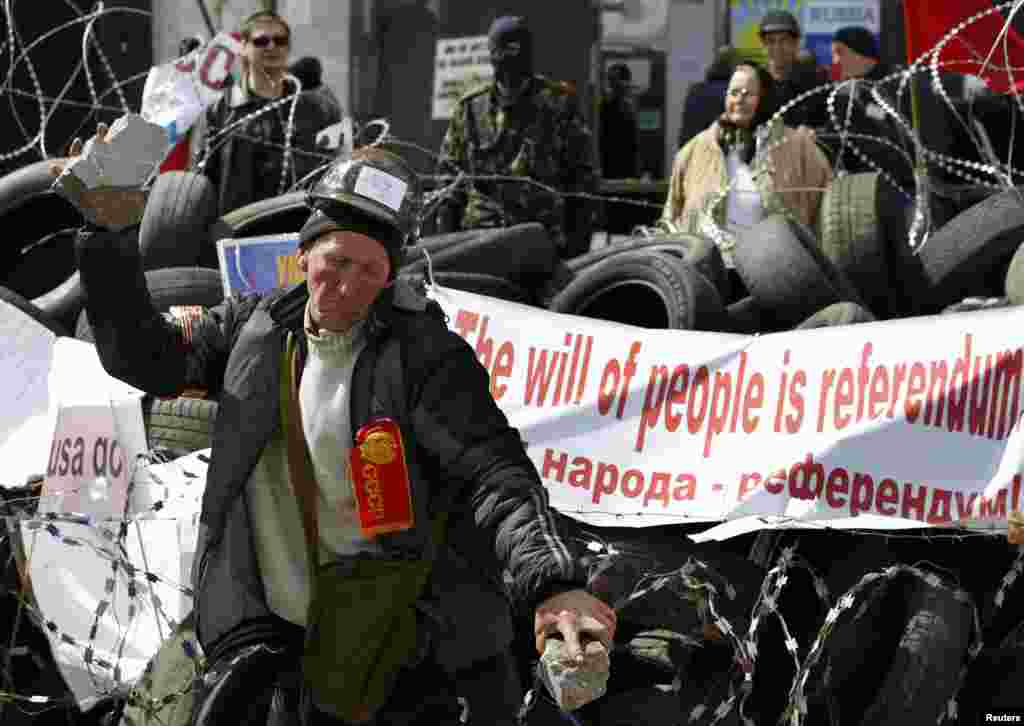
(111, 207)
(574, 614)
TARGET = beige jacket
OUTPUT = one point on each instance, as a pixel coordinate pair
(791, 177)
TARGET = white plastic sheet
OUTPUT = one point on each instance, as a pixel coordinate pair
(73, 583)
(177, 92)
(29, 412)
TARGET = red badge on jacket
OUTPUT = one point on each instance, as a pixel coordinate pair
(380, 479)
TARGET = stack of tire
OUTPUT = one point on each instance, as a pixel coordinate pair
(856, 266)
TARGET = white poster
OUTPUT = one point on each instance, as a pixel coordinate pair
(460, 65)
(913, 421)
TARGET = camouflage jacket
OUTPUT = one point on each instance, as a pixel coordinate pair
(543, 138)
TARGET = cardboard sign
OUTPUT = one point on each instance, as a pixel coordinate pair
(96, 439)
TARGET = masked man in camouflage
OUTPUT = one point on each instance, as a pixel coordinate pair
(519, 125)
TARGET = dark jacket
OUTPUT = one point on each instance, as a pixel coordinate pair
(868, 118)
(704, 103)
(246, 163)
(467, 457)
(620, 140)
(812, 111)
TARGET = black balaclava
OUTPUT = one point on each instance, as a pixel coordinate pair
(511, 71)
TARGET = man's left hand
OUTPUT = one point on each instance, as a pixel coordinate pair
(572, 614)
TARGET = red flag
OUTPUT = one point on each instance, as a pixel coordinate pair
(178, 158)
(928, 21)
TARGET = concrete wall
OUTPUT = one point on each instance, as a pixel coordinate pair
(694, 27)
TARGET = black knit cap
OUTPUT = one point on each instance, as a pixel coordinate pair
(858, 39)
(509, 27)
(779, 21)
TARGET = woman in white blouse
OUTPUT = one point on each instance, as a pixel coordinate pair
(745, 166)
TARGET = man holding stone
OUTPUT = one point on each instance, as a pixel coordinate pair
(345, 389)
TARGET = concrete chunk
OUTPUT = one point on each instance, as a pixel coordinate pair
(573, 684)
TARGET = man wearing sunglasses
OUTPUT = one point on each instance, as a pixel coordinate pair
(248, 161)
(519, 125)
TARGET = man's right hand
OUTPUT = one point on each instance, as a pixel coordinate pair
(111, 207)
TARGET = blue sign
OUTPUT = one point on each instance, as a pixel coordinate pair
(259, 264)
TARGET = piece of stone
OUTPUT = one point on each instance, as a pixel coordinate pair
(573, 684)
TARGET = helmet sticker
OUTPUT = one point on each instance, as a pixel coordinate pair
(381, 187)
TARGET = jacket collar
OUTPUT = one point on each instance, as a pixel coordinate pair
(239, 96)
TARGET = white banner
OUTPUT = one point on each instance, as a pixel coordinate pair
(890, 424)
(460, 65)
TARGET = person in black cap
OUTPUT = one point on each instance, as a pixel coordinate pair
(520, 125)
(251, 143)
(868, 137)
(620, 145)
(780, 35)
(855, 53)
(343, 400)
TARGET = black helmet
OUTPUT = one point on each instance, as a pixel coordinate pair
(373, 192)
(779, 21)
(374, 183)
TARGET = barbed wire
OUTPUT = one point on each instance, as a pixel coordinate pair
(693, 579)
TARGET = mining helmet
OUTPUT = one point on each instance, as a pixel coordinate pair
(779, 21)
(376, 185)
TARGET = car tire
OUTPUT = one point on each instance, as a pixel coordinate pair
(175, 229)
(924, 673)
(12, 298)
(662, 292)
(489, 285)
(278, 215)
(843, 313)
(524, 254)
(701, 252)
(968, 255)
(170, 287)
(65, 302)
(973, 304)
(182, 424)
(782, 267)
(850, 237)
(41, 225)
(909, 291)
(1014, 283)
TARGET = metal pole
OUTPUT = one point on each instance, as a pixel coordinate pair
(206, 17)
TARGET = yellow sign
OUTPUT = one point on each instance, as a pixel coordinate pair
(288, 272)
